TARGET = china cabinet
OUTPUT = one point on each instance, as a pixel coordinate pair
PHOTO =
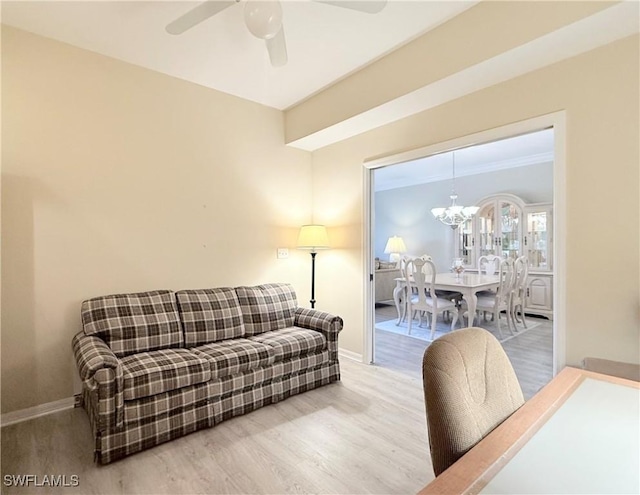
(538, 296)
(537, 238)
(508, 227)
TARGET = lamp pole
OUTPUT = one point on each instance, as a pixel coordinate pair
(313, 237)
(313, 279)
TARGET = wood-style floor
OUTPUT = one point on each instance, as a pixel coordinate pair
(531, 353)
(365, 434)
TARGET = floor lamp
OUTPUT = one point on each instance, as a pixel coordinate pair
(313, 237)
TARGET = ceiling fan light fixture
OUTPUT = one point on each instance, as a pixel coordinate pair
(263, 18)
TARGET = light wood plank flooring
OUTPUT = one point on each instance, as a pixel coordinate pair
(530, 353)
(365, 434)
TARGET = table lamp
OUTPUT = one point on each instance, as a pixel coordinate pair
(394, 248)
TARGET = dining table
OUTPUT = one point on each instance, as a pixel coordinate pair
(579, 434)
(468, 284)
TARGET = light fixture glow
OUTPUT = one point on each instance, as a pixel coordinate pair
(454, 215)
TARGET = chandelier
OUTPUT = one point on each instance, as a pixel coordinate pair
(454, 215)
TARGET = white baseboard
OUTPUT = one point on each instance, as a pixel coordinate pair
(36, 411)
(354, 356)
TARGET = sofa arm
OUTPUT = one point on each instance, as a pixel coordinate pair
(102, 377)
(325, 323)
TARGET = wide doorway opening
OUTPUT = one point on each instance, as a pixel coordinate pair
(512, 182)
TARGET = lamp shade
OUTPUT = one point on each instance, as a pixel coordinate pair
(395, 245)
(313, 237)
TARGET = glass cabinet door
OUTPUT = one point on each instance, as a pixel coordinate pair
(537, 239)
(466, 243)
(507, 227)
(486, 230)
(510, 230)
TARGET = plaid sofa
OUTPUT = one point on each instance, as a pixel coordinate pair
(158, 365)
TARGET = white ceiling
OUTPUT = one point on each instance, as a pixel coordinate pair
(325, 43)
(518, 151)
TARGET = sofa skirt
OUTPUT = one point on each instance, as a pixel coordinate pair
(154, 420)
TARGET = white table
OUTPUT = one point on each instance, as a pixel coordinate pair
(468, 284)
(579, 434)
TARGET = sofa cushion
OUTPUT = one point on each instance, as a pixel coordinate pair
(233, 356)
(155, 372)
(267, 307)
(210, 315)
(292, 342)
(132, 323)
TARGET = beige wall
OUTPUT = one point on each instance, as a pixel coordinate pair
(116, 179)
(487, 29)
(599, 91)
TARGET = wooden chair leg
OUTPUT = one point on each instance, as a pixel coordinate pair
(524, 321)
(496, 317)
(454, 319)
(515, 317)
(511, 324)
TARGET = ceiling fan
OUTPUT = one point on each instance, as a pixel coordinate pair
(263, 19)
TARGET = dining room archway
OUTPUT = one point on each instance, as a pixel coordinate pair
(525, 160)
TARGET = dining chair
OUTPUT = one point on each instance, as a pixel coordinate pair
(488, 264)
(496, 303)
(452, 295)
(456, 297)
(470, 387)
(422, 273)
(518, 290)
(404, 295)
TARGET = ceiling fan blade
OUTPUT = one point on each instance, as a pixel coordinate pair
(368, 6)
(277, 48)
(198, 14)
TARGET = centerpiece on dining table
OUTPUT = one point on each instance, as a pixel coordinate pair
(458, 267)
